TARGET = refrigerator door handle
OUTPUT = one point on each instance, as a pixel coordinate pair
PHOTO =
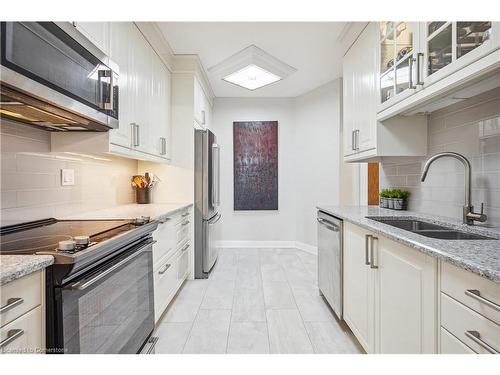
(215, 219)
(216, 175)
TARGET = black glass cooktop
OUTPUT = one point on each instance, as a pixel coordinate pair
(44, 235)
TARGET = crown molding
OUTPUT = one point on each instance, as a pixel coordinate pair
(156, 39)
(191, 64)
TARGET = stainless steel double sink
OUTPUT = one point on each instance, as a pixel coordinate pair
(429, 229)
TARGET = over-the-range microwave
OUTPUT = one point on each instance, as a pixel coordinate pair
(53, 77)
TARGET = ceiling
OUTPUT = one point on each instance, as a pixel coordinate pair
(311, 48)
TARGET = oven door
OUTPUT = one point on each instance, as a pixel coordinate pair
(111, 309)
(42, 59)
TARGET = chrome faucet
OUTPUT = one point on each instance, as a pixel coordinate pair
(469, 216)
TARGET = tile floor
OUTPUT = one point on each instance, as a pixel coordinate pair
(256, 301)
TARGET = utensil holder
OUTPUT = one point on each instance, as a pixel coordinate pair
(143, 195)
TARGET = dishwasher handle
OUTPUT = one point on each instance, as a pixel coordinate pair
(328, 224)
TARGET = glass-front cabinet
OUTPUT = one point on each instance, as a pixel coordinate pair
(415, 55)
(450, 46)
(399, 48)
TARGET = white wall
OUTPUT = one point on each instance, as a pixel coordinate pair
(257, 225)
(308, 164)
(317, 141)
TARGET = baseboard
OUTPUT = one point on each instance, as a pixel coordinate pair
(268, 244)
(307, 248)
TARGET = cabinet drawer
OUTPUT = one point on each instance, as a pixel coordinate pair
(27, 330)
(182, 232)
(181, 216)
(458, 319)
(474, 291)
(183, 264)
(451, 345)
(22, 294)
(165, 237)
(165, 280)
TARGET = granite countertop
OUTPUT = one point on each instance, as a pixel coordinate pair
(13, 267)
(478, 256)
(130, 211)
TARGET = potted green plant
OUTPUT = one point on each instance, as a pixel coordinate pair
(384, 198)
(390, 198)
(400, 199)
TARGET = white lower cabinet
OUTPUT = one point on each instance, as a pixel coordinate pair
(172, 254)
(389, 294)
(23, 315)
(358, 287)
(470, 311)
(405, 299)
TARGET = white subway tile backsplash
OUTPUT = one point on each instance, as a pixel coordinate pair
(471, 128)
(31, 178)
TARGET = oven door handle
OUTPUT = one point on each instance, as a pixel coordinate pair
(84, 284)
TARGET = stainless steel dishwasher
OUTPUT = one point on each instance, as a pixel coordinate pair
(330, 260)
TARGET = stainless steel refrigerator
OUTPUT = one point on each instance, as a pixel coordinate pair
(206, 201)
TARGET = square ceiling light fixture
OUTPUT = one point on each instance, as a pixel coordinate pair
(251, 68)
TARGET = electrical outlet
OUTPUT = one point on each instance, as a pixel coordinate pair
(67, 177)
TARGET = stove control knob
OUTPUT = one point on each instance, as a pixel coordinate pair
(81, 240)
(67, 245)
(141, 220)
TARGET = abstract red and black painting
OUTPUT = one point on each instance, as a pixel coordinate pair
(255, 152)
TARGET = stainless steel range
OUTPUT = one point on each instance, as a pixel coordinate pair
(99, 291)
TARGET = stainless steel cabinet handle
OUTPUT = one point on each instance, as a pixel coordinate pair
(11, 302)
(357, 139)
(164, 269)
(353, 136)
(476, 294)
(411, 60)
(132, 135)
(476, 337)
(420, 56)
(138, 135)
(372, 256)
(135, 134)
(185, 247)
(328, 224)
(203, 117)
(163, 146)
(81, 285)
(12, 334)
(367, 244)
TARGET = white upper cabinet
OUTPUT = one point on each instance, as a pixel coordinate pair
(96, 32)
(422, 65)
(365, 138)
(202, 107)
(120, 51)
(398, 60)
(360, 90)
(144, 108)
(450, 46)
